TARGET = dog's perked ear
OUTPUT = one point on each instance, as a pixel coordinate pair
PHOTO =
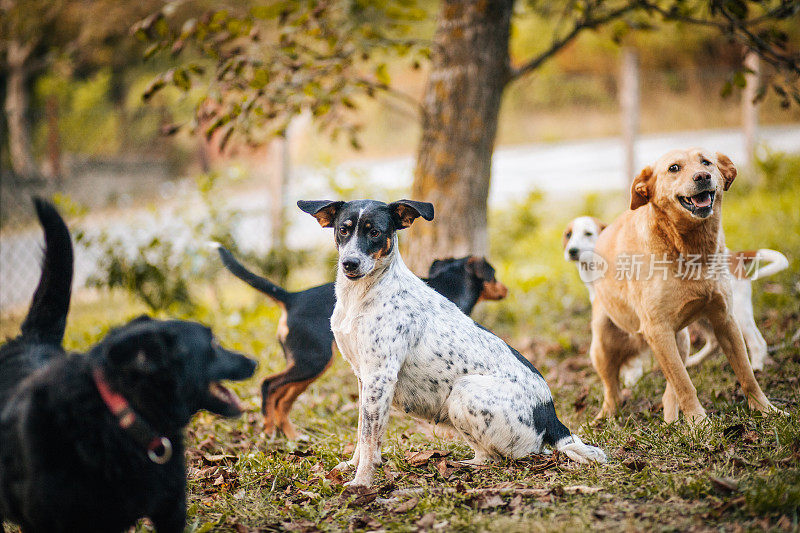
(404, 212)
(642, 188)
(323, 210)
(480, 268)
(727, 169)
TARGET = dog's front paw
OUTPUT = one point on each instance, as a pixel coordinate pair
(772, 410)
(697, 419)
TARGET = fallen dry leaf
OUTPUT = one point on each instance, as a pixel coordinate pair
(421, 458)
(636, 464)
(725, 484)
(363, 496)
(407, 505)
(211, 459)
(490, 502)
(581, 489)
(427, 521)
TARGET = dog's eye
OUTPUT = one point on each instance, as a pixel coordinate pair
(569, 234)
(674, 168)
(374, 233)
(344, 231)
(706, 162)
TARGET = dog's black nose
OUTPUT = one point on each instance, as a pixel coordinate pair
(573, 253)
(351, 265)
(701, 176)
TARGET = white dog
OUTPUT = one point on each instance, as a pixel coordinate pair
(412, 348)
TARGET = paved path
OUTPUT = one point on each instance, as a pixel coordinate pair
(556, 168)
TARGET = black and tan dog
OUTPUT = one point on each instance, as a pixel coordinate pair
(92, 442)
(305, 332)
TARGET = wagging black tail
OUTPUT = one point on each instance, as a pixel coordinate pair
(47, 317)
(257, 282)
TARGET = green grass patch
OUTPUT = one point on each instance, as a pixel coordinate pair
(739, 472)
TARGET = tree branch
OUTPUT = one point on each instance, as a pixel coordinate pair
(586, 23)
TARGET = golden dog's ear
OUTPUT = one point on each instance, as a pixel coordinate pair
(642, 188)
(728, 170)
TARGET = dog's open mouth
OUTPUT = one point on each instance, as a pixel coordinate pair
(699, 204)
(224, 395)
(353, 276)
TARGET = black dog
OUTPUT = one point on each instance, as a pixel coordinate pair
(304, 330)
(43, 328)
(92, 442)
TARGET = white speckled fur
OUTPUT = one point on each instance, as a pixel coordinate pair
(411, 347)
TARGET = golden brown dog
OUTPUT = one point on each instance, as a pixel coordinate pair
(667, 268)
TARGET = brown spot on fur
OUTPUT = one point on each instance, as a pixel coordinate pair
(567, 234)
(741, 263)
(283, 327)
(385, 249)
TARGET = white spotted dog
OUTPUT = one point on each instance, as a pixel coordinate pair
(412, 348)
(579, 239)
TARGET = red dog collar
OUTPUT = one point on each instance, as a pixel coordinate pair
(159, 449)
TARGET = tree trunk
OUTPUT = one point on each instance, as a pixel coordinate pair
(19, 132)
(469, 70)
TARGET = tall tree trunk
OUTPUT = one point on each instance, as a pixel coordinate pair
(469, 70)
(19, 132)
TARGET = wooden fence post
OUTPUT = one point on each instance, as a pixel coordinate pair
(750, 107)
(279, 182)
(629, 104)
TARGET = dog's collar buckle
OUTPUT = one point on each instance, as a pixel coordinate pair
(165, 455)
(159, 449)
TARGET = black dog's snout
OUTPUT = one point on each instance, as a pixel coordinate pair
(573, 253)
(701, 176)
(351, 264)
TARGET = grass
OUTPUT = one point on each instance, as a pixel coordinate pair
(740, 472)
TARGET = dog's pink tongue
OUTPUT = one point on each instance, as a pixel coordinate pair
(702, 200)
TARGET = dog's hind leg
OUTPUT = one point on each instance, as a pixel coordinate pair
(607, 367)
(286, 397)
(494, 416)
(268, 399)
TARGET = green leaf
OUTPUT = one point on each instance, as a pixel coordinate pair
(739, 79)
(382, 74)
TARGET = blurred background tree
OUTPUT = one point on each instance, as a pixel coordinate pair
(64, 40)
(272, 61)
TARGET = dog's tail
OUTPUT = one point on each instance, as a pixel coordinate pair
(573, 447)
(775, 262)
(558, 435)
(47, 317)
(257, 282)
